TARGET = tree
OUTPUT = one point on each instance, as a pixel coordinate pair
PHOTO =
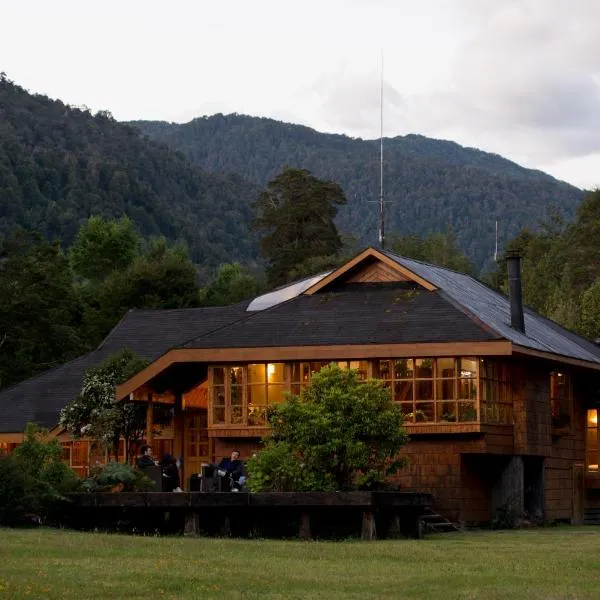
(95, 414)
(231, 284)
(102, 247)
(436, 248)
(590, 311)
(295, 215)
(39, 310)
(162, 277)
(341, 433)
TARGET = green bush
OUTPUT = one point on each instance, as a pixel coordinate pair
(34, 479)
(342, 433)
(277, 469)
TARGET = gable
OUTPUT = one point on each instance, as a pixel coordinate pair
(370, 266)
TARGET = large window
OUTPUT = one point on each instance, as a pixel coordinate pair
(432, 389)
(560, 399)
(496, 391)
(591, 441)
(241, 394)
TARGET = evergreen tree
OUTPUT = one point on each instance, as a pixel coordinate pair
(295, 215)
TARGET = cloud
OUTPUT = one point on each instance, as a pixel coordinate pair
(524, 81)
(528, 73)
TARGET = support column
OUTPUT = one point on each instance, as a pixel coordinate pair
(368, 531)
(508, 494)
(191, 526)
(305, 533)
(149, 420)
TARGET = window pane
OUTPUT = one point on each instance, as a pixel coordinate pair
(467, 367)
(257, 415)
(219, 395)
(592, 417)
(424, 411)
(446, 411)
(424, 390)
(237, 415)
(424, 367)
(384, 369)
(407, 409)
(445, 389)
(467, 411)
(296, 373)
(219, 414)
(236, 374)
(276, 394)
(236, 395)
(445, 367)
(403, 391)
(218, 376)
(276, 372)
(256, 374)
(361, 366)
(257, 394)
(467, 389)
(403, 368)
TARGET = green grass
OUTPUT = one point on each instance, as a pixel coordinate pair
(553, 563)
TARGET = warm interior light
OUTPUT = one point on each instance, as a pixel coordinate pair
(592, 467)
(270, 369)
(592, 416)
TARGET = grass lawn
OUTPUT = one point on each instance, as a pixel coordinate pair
(551, 563)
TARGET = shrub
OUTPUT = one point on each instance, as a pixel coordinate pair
(34, 479)
(341, 433)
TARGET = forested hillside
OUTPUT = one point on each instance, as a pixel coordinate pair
(430, 184)
(59, 165)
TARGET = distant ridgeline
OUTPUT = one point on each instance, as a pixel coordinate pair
(59, 165)
(430, 184)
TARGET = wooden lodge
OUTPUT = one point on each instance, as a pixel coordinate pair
(501, 404)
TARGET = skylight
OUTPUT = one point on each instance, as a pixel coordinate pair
(286, 293)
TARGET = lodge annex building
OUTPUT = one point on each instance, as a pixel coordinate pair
(501, 404)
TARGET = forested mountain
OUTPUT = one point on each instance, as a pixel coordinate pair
(60, 164)
(430, 184)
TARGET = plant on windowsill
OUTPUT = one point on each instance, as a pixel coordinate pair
(418, 416)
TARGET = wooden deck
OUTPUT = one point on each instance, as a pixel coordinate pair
(303, 514)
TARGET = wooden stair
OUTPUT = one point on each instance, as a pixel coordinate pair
(436, 523)
(591, 516)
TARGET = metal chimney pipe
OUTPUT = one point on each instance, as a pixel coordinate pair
(515, 293)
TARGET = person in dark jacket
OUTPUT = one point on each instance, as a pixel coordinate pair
(145, 460)
(170, 474)
(233, 468)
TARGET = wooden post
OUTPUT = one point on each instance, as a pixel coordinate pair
(191, 525)
(149, 420)
(368, 526)
(226, 527)
(305, 532)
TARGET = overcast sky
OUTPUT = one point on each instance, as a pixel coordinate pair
(516, 77)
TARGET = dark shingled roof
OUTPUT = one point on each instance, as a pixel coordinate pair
(364, 313)
(149, 333)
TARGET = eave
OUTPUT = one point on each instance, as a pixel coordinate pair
(294, 353)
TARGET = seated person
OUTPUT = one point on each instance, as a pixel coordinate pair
(145, 460)
(233, 468)
(170, 474)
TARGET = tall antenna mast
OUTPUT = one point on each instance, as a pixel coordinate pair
(496, 250)
(381, 202)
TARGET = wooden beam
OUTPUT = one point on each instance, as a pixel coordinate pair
(149, 420)
(364, 255)
(12, 438)
(313, 353)
(586, 364)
